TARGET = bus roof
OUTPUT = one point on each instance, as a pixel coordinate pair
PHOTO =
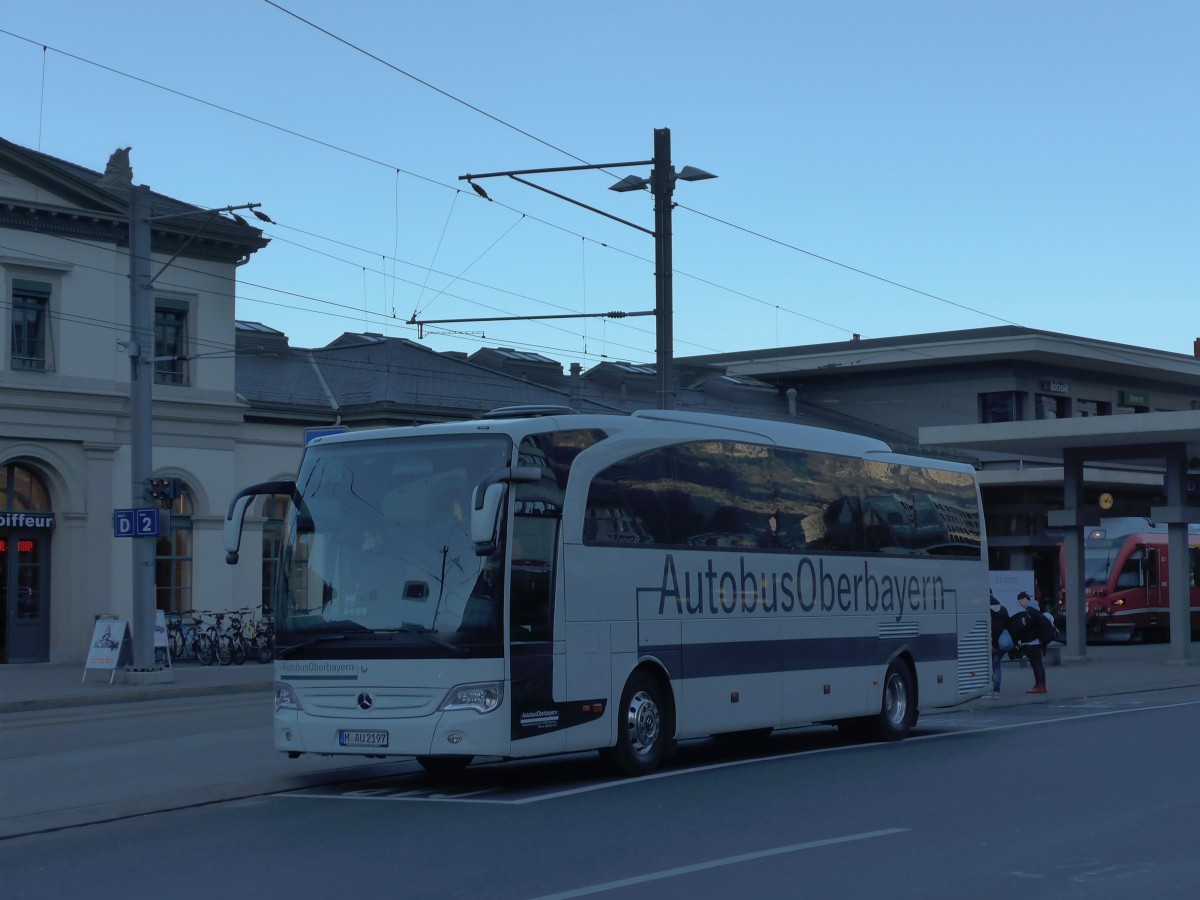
(658, 423)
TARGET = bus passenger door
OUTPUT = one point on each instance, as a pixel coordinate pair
(536, 670)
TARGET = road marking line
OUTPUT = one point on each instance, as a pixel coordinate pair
(718, 863)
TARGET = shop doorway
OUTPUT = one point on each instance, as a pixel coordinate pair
(26, 527)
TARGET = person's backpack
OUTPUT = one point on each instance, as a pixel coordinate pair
(1023, 625)
(1047, 630)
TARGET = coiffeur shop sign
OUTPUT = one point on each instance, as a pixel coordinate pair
(26, 520)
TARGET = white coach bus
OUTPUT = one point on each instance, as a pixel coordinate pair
(549, 582)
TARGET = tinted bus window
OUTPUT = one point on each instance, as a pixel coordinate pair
(746, 496)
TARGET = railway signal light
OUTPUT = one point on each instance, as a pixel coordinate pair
(162, 490)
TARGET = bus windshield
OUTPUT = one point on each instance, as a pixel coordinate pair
(377, 558)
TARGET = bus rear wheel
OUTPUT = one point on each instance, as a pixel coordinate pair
(643, 731)
(898, 710)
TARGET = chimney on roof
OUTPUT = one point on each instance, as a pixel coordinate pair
(1196, 348)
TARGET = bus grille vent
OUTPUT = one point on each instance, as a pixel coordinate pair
(975, 660)
(899, 629)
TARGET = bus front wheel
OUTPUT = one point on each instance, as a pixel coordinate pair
(643, 731)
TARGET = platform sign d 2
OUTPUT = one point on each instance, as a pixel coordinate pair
(136, 522)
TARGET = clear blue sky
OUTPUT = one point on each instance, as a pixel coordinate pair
(1024, 162)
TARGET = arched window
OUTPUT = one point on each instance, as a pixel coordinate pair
(22, 489)
(274, 508)
(173, 557)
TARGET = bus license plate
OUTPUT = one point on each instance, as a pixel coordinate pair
(362, 738)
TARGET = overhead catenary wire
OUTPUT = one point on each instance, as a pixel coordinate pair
(426, 179)
(567, 153)
(749, 231)
(341, 310)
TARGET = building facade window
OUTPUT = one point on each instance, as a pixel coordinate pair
(30, 325)
(173, 558)
(1000, 406)
(1085, 408)
(1046, 406)
(170, 345)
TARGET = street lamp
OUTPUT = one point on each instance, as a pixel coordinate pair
(662, 185)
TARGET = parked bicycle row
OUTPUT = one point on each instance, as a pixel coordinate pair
(225, 638)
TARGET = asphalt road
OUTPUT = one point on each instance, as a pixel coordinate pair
(1074, 799)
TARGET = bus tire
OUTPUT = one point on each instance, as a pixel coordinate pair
(897, 712)
(642, 727)
(444, 765)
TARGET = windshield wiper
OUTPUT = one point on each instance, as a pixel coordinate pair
(425, 633)
(284, 652)
(335, 630)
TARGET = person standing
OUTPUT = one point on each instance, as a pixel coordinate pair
(1025, 627)
(999, 628)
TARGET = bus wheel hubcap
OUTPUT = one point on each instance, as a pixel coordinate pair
(644, 722)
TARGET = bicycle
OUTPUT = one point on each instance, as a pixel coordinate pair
(201, 638)
(260, 638)
(227, 643)
(189, 641)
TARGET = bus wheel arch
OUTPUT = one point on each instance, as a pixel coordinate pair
(645, 723)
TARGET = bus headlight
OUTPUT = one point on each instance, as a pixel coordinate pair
(285, 697)
(483, 698)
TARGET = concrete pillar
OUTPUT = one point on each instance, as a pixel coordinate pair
(1071, 520)
(1176, 514)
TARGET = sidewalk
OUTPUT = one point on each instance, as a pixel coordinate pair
(36, 686)
(1107, 670)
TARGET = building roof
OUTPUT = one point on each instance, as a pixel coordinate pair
(1007, 344)
(83, 203)
(1128, 438)
(374, 379)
